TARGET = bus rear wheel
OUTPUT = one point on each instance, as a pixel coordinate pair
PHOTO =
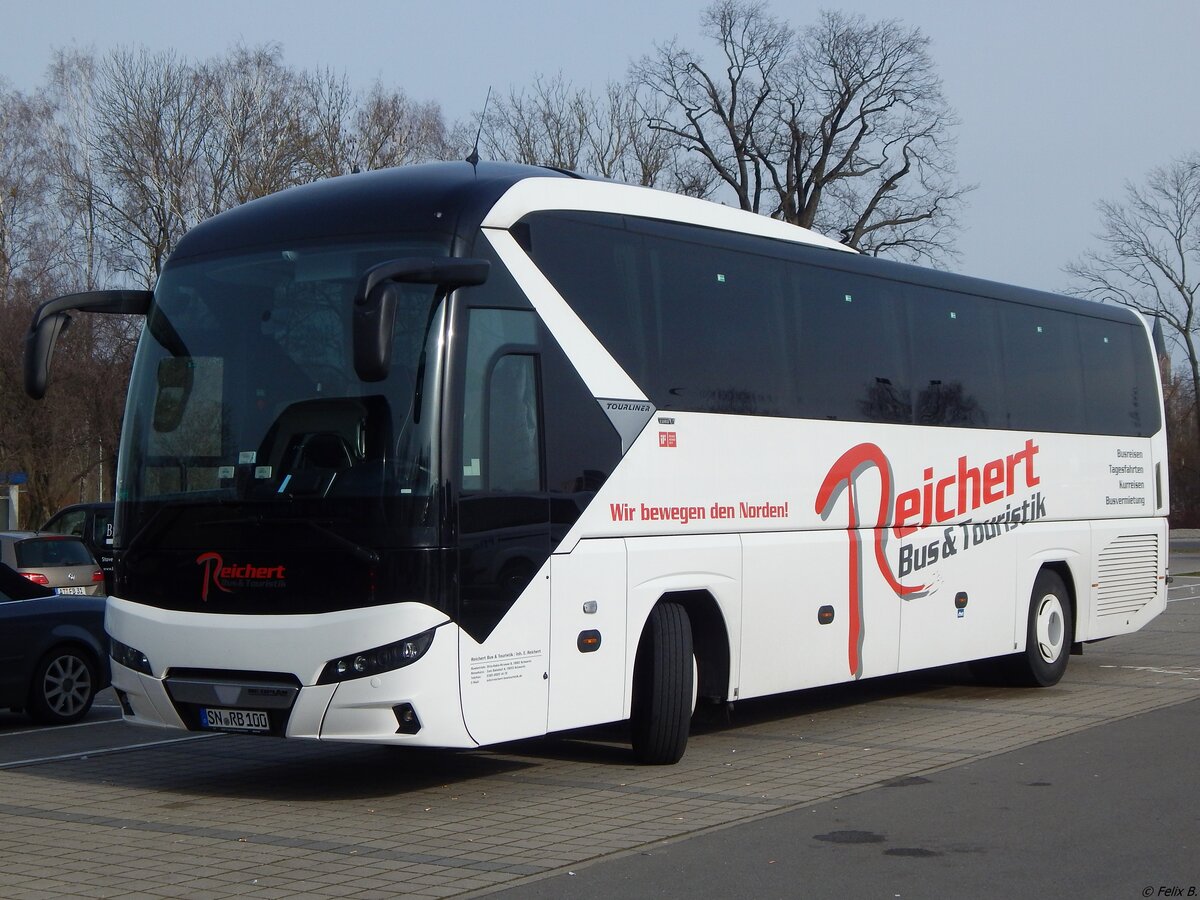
(663, 686)
(1048, 635)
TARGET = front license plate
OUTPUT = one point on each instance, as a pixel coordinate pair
(72, 590)
(235, 720)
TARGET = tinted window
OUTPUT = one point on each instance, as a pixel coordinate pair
(1114, 403)
(47, 552)
(851, 360)
(500, 447)
(957, 373)
(1043, 368)
(68, 523)
(718, 318)
(102, 527)
(717, 322)
(698, 325)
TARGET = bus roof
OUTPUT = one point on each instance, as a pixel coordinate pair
(453, 198)
(448, 198)
(457, 198)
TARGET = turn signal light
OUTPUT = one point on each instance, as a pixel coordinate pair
(588, 641)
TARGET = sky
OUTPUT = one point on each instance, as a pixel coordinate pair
(1061, 102)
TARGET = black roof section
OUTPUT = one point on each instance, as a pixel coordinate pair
(449, 198)
(452, 198)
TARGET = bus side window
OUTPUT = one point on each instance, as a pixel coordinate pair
(499, 387)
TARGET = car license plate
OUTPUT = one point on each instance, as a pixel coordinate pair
(72, 590)
(235, 720)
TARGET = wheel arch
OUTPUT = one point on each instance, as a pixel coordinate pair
(79, 644)
(710, 641)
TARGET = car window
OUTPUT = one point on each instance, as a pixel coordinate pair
(102, 528)
(72, 522)
(47, 552)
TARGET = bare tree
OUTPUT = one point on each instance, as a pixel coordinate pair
(1149, 256)
(544, 125)
(24, 186)
(1179, 404)
(256, 141)
(718, 112)
(867, 139)
(73, 167)
(347, 132)
(328, 107)
(841, 127)
(552, 123)
(392, 129)
(152, 125)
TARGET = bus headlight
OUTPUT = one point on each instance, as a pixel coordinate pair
(128, 657)
(396, 655)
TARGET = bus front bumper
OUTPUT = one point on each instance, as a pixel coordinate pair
(245, 688)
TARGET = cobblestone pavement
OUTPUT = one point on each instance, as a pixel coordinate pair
(228, 816)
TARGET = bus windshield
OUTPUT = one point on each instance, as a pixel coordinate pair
(245, 413)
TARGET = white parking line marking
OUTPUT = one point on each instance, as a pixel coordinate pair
(60, 727)
(103, 751)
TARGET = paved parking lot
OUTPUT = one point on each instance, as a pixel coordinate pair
(224, 816)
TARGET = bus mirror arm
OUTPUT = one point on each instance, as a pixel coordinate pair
(52, 319)
(378, 294)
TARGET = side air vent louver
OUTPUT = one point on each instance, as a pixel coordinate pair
(1127, 574)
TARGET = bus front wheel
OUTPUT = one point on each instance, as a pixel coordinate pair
(1048, 634)
(663, 686)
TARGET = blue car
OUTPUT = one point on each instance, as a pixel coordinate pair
(53, 650)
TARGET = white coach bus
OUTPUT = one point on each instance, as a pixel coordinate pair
(451, 455)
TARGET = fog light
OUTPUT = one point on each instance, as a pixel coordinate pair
(406, 716)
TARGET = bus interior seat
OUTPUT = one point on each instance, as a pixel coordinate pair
(313, 441)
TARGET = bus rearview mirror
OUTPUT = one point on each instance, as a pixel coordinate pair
(378, 295)
(51, 320)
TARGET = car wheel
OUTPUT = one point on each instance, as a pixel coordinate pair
(63, 688)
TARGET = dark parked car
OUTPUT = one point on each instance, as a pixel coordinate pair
(53, 650)
(93, 522)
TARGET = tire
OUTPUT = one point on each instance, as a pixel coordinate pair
(663, 686)
(1048, 635)
(63, 687)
